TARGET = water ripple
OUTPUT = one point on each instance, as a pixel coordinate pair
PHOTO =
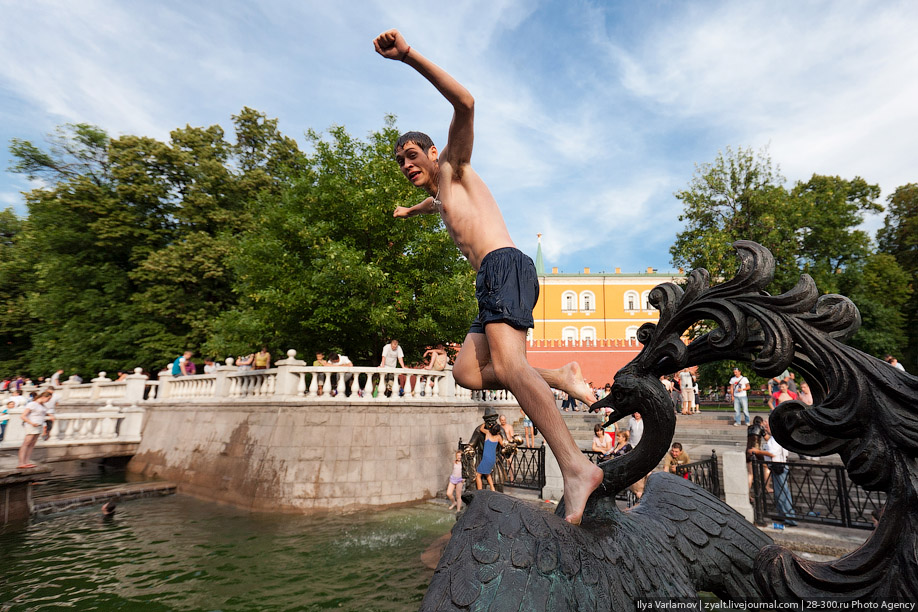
(177, 553)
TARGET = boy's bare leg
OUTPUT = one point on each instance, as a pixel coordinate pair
(474, 370)
(507, 347)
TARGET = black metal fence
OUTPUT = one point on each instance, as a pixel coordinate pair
(816, 494)
(524, 469)
(703, 473)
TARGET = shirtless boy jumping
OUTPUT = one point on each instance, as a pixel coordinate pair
(494, 352)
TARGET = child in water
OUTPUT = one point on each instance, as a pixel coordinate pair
(455, 484)
(492, 440)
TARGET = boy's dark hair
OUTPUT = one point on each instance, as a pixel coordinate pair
(419, 138)
(495, 429)
(758, 420)
(677, 445)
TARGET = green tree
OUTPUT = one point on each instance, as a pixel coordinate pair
(899, 238)
(16, 273)
(207, 183)
(328, 267)
(738, 196)
(880, 289)
(828, 211)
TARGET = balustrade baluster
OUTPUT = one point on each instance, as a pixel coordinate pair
(340, 386)
(408, 388)
(355, 386)
(368, 386)
(326, 385)
(436, 386)
(381, 390)
(301, 384)
(314, 385)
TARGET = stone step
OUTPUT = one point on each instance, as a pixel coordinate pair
(98, 496)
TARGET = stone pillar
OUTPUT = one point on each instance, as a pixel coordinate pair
(16, 493)
(287, 381)
(132, 424)
(136, 384)
(221, 384)
(736, 484)
(448, 384)
(554, 483)
(95, 384)
(65, 389)
(107, 428)
(164, 379)
(15, 432)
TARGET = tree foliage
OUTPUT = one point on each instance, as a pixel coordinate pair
(813, 228)
(135, 249)
(899, 238)
(327, 266)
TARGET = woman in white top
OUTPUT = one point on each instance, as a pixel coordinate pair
(34, 417)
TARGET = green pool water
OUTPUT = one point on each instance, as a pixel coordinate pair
(179, 553)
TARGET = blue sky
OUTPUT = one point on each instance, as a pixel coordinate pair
(589, 115)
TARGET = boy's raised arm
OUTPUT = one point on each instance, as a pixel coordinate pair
(392, 45)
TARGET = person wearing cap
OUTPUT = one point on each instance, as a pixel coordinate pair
(4, 416)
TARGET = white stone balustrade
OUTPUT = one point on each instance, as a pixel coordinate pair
(291, 378)
(107, 423)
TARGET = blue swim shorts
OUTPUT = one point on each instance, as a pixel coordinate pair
(507, 288)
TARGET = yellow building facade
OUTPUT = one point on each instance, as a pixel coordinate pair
(589, 306)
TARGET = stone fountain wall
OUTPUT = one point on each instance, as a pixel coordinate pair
(292, 456)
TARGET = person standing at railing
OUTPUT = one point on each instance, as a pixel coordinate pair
(34, 419)
(209, 366)
(320, 362)
(340, 361)
(56, 378)
(19, 398)
(7, 406)
(178, 366)
(528, 430)
(392, 355)
(51, 412)
(262, 359)
(245, 363)
(776, 457)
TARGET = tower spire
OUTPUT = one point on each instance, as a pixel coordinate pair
(539, 264)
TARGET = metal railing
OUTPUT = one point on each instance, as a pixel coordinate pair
(816, 494)
(626, 495)
(703, 473)
(525, 469)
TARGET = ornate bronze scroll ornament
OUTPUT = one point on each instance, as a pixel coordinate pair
(680, 539)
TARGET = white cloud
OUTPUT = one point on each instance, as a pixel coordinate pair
(588, 117)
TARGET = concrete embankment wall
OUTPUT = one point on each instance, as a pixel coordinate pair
(301, 456)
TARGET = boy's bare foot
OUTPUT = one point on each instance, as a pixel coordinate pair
(577, 490)
(451, 506)
(576, 386)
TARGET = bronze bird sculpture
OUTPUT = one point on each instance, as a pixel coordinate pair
(505, 555)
